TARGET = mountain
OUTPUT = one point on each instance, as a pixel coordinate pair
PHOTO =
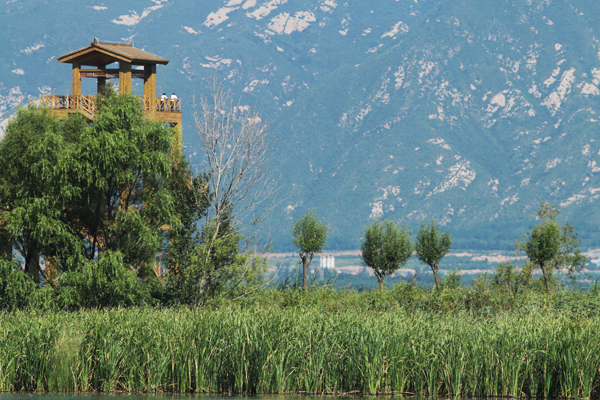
(466, 111)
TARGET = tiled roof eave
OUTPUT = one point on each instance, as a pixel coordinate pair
(111, 51)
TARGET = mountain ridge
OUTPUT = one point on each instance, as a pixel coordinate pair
(464, 111)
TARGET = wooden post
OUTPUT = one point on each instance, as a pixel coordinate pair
(150, 87)
(125, 77)
(101, 81)
(76, 79)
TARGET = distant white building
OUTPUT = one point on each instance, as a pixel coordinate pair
(327, 262)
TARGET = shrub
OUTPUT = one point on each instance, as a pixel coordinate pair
(105, 282)
(16, 287)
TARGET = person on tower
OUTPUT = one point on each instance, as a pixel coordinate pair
(163, 101)
(173, 101)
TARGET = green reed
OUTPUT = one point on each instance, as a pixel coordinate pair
(302, 350)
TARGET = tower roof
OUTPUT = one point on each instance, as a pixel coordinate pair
(101, 53)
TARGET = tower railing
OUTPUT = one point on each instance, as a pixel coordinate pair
(168, 105)
(69, 102)
(87, 103)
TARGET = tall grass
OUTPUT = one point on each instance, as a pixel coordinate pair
(302, 350)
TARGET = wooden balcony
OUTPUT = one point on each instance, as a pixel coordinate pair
(167, 111)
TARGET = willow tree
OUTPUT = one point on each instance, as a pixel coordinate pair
(432, 246)
(385, 248)
(73, 189)
(551, 246)
(122, 165)
(309, 235)
(34, 187)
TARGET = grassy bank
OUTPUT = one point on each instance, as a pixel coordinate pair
(271, 345)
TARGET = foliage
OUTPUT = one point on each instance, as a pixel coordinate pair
(105, 282)
(452, 280)
(431, 247)
(551, 246)
(309, 235)
(216, 267)
(75, 189)
(206, 263)
(122, 165)
(16, 287)
(385, 248)
(224, 201)
(512, 278)
(190, 199)
(34, 187)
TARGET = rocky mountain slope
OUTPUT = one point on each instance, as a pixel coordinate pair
(470, 112)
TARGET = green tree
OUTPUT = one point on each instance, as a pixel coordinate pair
(34, 187)
(191, 201)
(309, 235)
(432, 246)
(123, 163)
(5, 243)
(74, 189)
(552, 246)
(385, 248)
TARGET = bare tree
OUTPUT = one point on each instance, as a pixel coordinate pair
(235, 147)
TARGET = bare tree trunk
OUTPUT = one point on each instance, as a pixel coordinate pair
(305, 263)
(380, 278)
(32, 265)
(434, 269)
(546, 278)
(5, 246)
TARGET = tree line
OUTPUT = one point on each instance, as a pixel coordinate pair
(387, 246)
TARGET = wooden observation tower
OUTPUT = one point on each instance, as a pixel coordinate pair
(133, 63)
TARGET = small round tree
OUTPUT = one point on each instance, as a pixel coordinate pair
(432, 246)
(543, 246)
(552, 246)
(385, 248)
(309, 236)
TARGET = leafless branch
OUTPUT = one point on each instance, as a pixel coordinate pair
(236, 147)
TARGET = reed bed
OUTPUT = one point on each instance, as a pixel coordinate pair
(545, 354)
